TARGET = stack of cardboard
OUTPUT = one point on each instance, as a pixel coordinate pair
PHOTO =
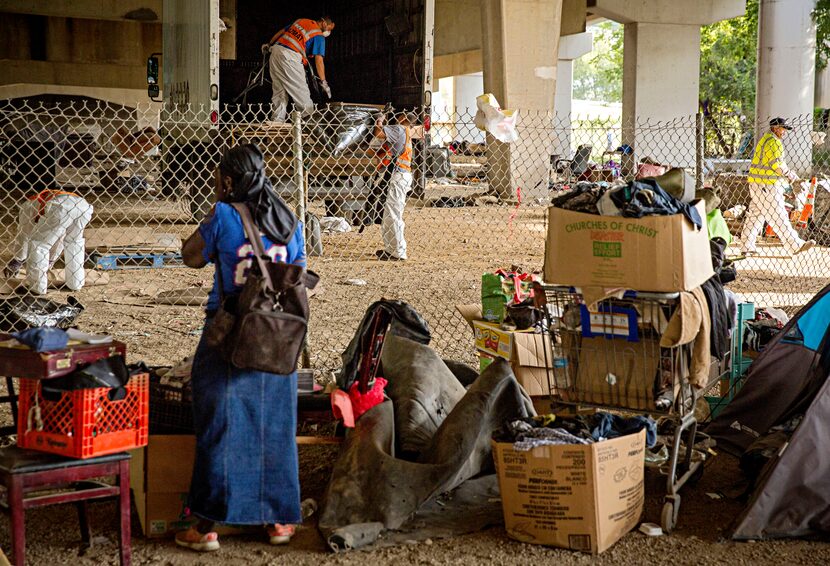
(529, 354)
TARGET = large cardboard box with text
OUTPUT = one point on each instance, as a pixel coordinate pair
(581, 497)
(160, 481)
(653, 253)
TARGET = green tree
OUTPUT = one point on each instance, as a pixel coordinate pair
(728, 56)
(598, 75)
(821, 15)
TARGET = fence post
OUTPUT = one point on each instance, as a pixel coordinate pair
(700, 139)
(299, 173)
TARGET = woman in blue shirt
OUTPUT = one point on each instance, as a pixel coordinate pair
(246, 468)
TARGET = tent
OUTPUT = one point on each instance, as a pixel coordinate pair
(789, 378)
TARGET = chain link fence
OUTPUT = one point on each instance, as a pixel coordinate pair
(474, 205)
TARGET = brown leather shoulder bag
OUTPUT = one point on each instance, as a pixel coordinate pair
(264, 327)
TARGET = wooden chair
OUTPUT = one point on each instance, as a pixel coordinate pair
(31, 478)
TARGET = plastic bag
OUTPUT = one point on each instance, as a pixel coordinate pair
(493, 298)
(354, 124)
(109, 372)
(490, 117)
(20, 313)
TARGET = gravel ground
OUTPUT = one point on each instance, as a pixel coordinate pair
(699, 538)
(449, 250)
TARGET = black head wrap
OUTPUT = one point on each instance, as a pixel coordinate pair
(245, 165)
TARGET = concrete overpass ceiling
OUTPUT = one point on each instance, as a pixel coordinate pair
(125, 10)
(700, 12)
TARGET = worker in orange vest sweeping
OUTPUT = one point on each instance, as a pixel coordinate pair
(768, 176)
(395, 172)
(50, 223)
(289, 50)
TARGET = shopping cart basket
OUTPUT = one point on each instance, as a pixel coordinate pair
(608, 356)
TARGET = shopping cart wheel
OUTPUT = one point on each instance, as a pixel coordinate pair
(671, 508)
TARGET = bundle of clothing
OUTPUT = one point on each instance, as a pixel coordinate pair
(546, 430)
(766, 326)
(707, 317)
(634, 199)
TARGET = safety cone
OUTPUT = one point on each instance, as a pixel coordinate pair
(807, 211)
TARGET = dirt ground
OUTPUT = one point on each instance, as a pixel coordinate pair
(700, 537)
(449, 249)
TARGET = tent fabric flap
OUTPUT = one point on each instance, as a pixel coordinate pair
(793, 498)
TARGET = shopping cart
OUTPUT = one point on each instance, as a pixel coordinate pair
(608, 356)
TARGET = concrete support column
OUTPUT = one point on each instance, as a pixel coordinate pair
(661, 70)
(570, 47)
(786, 74)
(661, 81)
(520, 41)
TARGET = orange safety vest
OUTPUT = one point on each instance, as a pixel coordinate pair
(45, 196)
(297, 34)
(403, 161)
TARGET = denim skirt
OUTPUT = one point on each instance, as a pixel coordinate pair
(246, 469)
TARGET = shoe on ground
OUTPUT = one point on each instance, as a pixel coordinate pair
(12, 269)
(280, 534)
(194, 540)
(806, 246)
(383, 255)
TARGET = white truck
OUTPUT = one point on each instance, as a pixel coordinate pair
(379, 53)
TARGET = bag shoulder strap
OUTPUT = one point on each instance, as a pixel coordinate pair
(253, 235)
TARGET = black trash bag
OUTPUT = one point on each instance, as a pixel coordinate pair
(21, 313)
(404, 321)
(109, 372)
(376, 199)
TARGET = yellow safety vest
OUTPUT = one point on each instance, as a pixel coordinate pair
(769, 153)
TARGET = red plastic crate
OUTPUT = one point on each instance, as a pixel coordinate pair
(85, 423)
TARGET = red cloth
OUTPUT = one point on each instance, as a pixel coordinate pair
(363, 402)
(349, 406)
(341, 407)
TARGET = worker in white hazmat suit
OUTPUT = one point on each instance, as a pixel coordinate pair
(49, 223)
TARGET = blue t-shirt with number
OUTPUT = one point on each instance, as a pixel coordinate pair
(225, 238)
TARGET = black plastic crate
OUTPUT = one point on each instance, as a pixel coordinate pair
(170, 411)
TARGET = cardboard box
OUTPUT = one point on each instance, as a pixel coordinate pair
(524, 350)
(653, 253)
(615, 372)
(160, 480)
(581, 497)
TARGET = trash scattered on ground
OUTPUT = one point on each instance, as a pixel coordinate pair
(356, 282)
(650, 529)
(334, 225)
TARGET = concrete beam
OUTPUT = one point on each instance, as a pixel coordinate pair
(75, 74)
(137, 10)
(456, 64)
(125, 96)
(457, 26)
(574, 13)
(699, 12)
(575, 46)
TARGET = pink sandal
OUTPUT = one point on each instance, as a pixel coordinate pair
(280, 534)
(194, 540)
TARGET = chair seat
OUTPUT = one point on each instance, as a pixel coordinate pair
(314, 402)
(14, 460)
